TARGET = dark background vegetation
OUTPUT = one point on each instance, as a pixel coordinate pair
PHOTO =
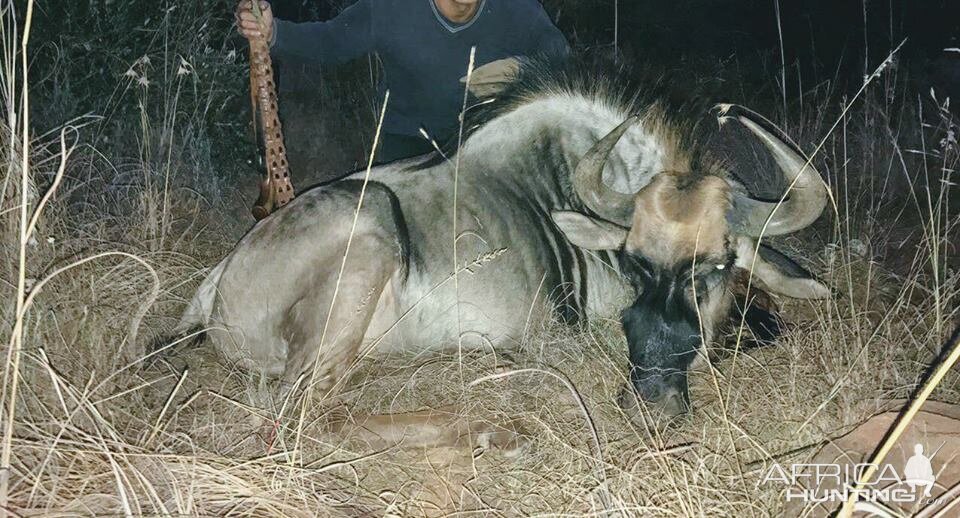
(83, 47)
(189, 99)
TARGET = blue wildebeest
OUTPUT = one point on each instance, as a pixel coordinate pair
(569, 200)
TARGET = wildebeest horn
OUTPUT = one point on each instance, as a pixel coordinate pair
(806, 198)
(588, 179)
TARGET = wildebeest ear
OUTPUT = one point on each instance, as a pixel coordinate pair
(778, 272)
(589, 233)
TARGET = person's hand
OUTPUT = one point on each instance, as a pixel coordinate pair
(492, 78)
(249, 25)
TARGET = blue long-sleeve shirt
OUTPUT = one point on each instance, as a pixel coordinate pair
(424, 55)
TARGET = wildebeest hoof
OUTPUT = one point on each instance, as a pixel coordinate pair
(509, 440)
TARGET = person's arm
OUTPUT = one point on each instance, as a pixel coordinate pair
(347, 36)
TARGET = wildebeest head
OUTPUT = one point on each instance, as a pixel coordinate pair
(680, 239)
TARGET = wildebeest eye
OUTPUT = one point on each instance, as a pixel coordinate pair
(705, 278)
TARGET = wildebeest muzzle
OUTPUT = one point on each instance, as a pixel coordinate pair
(663, 339)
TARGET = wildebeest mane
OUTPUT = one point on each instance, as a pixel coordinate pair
(677, 100)
(618, 86)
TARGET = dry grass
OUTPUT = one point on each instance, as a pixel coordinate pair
(86, 448)
(96, 434)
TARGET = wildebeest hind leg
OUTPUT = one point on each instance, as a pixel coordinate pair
(357, 300)
(325, 327)
(325, 331)
(361, 286)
